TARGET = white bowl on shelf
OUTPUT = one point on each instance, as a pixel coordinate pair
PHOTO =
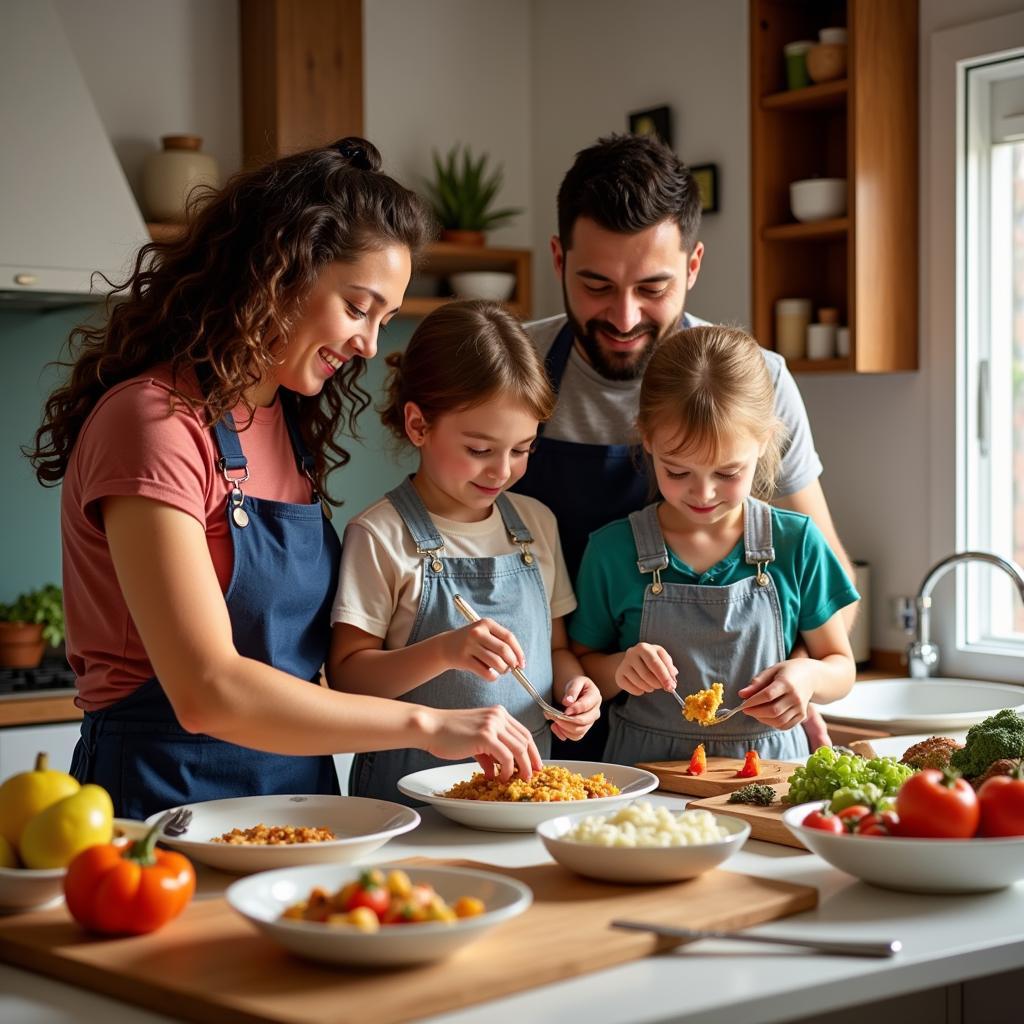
(813, 199)
(483, 284)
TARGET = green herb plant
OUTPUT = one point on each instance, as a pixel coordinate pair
(44, 606)
(463, 191)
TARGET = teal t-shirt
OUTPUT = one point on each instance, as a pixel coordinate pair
(810, 581)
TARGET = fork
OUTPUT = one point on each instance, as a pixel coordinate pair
(175, 823)
(550, 712)
(721, 715)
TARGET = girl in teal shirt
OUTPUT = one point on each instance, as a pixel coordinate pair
(710, 584)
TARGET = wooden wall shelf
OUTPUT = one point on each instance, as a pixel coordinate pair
(862, 128)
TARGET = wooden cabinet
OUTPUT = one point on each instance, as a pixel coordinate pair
(862, 128)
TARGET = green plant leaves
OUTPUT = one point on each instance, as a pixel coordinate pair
(45, 605)
(462, 191)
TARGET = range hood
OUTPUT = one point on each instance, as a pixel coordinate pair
(66, 210)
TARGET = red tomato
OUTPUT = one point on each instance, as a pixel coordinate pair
(851, 817)
(1001, 799)
(376, 897)
(878, 823)
(937, 805)
(823, 820)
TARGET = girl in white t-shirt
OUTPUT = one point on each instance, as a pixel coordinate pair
(469, 393)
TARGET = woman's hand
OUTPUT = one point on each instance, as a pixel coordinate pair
(644, 669)
(483, 648)
(582, 700)
(502, 746)
(778, 696)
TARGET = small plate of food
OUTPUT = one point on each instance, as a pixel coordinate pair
(387, 916)
(258, 833)
(462, 793)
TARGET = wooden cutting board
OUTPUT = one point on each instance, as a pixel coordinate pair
(765, 822)
(211, 965)
(720, 777)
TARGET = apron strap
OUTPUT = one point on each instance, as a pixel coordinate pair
(652, 556)
(757, 532)
(514, 525)
(225, 434)
(414, 514)
(303, 459)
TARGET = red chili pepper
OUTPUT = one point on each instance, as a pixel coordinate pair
(128, 888)
(699, 761)
(751, 766)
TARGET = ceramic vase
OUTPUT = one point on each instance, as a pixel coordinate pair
(170, 175)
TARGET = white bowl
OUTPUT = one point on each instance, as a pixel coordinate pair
(30, 889)
(818, 198)
(262, 898)
(483, 284)
(914, 865)
(635, 864)
(494, 816)
(361, 825)
(914, 705)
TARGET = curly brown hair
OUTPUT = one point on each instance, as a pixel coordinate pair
(215, 301)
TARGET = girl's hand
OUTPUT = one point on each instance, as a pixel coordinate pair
(644, 669)
(778, 696)
(582, 700)
(483, 648)
(502, 746)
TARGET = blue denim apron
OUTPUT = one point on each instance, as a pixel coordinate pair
(506, 588)
(285, 573)
(714, 635)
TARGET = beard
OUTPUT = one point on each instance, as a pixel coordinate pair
(616, 365)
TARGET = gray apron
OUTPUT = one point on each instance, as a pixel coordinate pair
(714, 635)
(506, 588)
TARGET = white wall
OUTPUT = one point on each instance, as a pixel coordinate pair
(595, 61)
(447, 72)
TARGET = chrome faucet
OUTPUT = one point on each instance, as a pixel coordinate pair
(922, 654)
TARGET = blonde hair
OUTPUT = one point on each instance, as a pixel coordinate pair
(708, 384)
(462, 355)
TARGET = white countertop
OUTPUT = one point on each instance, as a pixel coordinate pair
(946, 939)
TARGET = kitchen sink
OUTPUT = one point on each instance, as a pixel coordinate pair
(912, 705)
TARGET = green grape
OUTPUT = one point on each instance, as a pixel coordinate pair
(825, 772)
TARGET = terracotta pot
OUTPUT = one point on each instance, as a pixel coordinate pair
(461, 237)
(169, 175)
(21, 644)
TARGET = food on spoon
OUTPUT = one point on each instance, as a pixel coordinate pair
(698, 762)
(702, 706)
(375, 900)
(934, 752)
(274, 835)
(756, 793)
(551, 784)
(643, 825)
(1001, 735)
(751, 766)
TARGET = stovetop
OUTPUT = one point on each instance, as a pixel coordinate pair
(52, 677)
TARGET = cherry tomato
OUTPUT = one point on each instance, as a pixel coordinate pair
(370, 891)
(850, 817)
(824, 820)
(937, 805)
(1001, 799)
(878, 823)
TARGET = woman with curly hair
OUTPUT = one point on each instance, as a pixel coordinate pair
(194, 438)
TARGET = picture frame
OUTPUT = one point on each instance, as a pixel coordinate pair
(706, 176)
(656, 121)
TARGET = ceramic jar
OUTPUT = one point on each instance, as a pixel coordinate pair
(169, 176)
(791, 319)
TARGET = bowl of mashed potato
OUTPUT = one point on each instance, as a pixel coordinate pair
(643, 843)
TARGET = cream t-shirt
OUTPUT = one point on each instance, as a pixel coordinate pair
(381, 573)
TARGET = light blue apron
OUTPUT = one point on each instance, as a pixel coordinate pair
(279, 599)
(506, 588)
(714, 635)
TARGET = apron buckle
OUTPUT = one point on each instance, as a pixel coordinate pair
(324, 506)
(762, 576)
(435, 563)
(527, 556)
(657, 586)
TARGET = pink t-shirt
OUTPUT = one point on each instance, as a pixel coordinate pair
(142, 440)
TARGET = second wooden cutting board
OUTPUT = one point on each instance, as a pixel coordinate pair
(765, 822)
(720, 777)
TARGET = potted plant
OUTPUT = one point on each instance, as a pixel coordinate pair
(28, 624)
(462, 195)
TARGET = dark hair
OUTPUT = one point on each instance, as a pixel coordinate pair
(217, 299)
(710, 383)
(627, 183)
(461, 355)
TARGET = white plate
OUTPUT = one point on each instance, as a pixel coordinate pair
(923, 704)
(914, 865)
(262, 898)
(639, 865)
(495, 816)
(361, 825)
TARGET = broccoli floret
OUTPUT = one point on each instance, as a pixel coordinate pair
(754, 793)
(1002, 735)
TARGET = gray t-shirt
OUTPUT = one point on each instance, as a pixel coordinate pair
(594, 410)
